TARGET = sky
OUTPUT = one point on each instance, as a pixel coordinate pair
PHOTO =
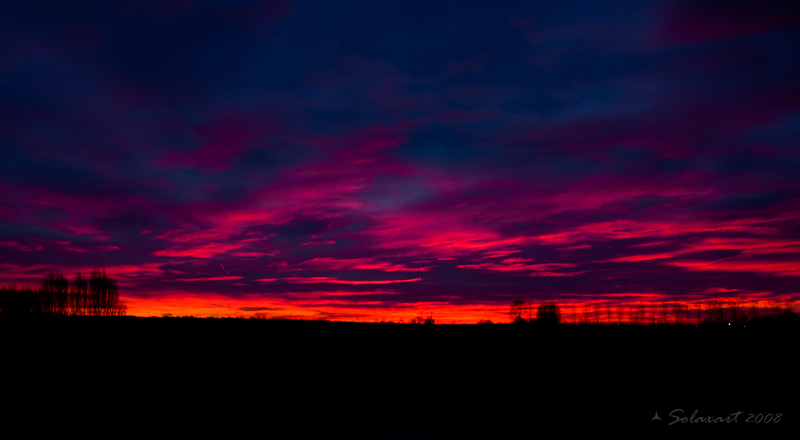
(363, 160)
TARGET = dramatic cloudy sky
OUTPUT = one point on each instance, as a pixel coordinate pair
(378, 159)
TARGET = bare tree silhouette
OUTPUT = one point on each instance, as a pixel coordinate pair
(716, 311)
(752, 311)
(18, 302)
(54, 295)
(574, 313)
(99, 297)
(78, 296)
(423, 319)
(607, 311)
(679, 310)
(735, 311)
(699, 311)
(583, 316)
(548, 313)
(652, 313)
(517, 311)
(663, 312)
(639, 314)
(104, 295)
(688, 312)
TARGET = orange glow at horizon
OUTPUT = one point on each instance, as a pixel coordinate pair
(623, 308)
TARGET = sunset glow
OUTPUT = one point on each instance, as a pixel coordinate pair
(380, 161)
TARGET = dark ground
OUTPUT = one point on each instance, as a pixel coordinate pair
(312, 379)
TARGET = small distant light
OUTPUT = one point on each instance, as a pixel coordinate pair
(729, 323)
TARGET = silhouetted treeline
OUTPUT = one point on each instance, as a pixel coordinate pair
(546, 313)
(718, 311)
(97, 296)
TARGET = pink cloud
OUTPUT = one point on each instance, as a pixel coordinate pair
(443, 234)
(518, 265)
(498, 254)
(250, 254)
(646, 257)
(13, 244)
(574, 248)
(188, 236)
(359, 264)
(783, 268)
(210, 279)
(330, 280)
(748, 246)
(201, 251)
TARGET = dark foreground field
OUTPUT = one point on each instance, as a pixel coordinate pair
(309, 379)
